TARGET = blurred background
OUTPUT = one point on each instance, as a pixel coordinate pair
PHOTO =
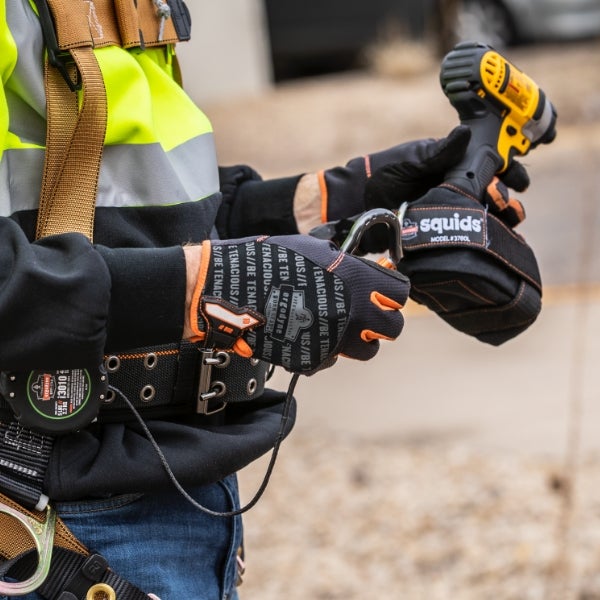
(444, 468)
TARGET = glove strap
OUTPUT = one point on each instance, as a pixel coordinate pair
(438, 227)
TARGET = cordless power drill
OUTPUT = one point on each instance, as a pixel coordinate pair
(507, 112)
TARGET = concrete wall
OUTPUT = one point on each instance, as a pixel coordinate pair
(228, 55)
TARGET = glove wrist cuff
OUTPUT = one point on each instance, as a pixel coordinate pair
(216, 322)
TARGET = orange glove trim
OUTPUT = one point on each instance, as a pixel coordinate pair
(242, 348)
(324, 195)
(383, 302)
(366, 335)
(517, 206)
(386, 263)
(200, 281)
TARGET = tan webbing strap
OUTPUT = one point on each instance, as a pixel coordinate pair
(15, 541)
(74, 144)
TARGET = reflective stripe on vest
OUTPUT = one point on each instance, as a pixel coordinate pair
(146, 109)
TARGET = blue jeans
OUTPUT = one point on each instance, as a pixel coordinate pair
(161, 543)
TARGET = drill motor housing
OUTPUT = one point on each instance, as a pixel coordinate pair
(507, 112)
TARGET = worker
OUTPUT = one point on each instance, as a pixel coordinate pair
(193, 280)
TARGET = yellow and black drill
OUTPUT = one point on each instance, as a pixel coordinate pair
(507, 112)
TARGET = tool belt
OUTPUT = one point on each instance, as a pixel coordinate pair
(161, 382)
(468, 267)
(169, 381)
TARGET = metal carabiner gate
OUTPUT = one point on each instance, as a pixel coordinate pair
(42, 534)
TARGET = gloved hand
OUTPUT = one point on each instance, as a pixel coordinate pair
(467, 264)
(294, 301)
(500, 203)
(388, 178)
(407, 181)
(410, 179)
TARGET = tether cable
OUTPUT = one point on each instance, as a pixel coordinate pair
(266, 478)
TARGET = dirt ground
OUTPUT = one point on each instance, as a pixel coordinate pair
(350, 517)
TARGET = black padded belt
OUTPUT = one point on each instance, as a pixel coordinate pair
(172, 380)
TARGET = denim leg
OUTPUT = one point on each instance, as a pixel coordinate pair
(161, 543)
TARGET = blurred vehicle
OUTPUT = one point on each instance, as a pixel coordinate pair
(502, 23)
(319, 36)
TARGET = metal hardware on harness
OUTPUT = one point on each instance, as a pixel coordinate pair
(101, 590)
(58, 58)
(207, 389)
(42, 533)
(378, 215)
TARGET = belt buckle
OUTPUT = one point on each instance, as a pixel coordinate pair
(209, 390)
(42, 534)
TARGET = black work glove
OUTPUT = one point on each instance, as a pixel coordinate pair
(407, 181)
(468, 265)
(385, 180)
(294, 301)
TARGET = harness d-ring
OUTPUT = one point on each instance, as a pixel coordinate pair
(42, 533)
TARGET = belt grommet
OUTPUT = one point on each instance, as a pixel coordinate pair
(112, 363)
(150, 360)
(147, 393)
(219, 388)
(225, 359)
(251, 387)
(110, 397)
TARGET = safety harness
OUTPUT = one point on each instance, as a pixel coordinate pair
(37, 549)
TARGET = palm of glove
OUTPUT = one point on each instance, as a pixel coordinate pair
(296, 301)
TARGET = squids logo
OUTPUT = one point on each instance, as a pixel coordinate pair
(436, 226)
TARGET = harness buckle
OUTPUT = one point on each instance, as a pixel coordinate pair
(42, 534)
(209, 390)
(60, 59)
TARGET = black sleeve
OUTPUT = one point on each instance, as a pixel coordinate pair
(63, 301)
(252, 206)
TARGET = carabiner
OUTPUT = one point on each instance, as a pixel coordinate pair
(42, 534)
(378, 215)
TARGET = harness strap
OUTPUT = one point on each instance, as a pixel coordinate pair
(12, 541)
(24, 457)
(74, 144)
(87, 577)
(494, 238)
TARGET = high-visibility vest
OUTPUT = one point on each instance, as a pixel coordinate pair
(153, 128)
